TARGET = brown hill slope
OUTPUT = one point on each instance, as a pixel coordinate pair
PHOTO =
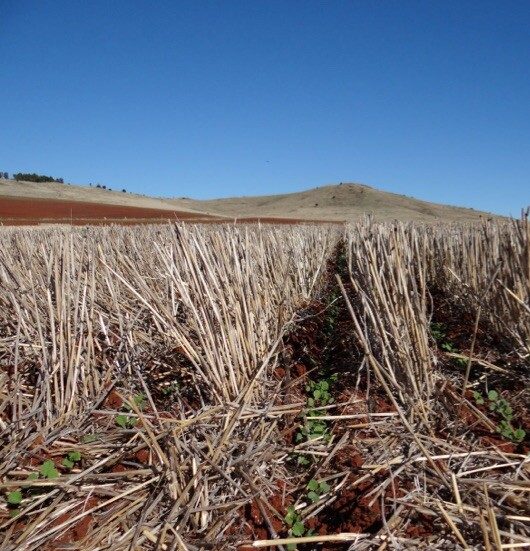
(343, 202)
(65, 192)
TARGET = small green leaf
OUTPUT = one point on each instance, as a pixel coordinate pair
(493, 395)
(324, 487)
(311, 402)
(313, 496)
(14, 513)
(67, 463)
(53, 473)
(133, 421)
(14, 498)
(519, 435)
(46, 468)
(317, 394)
(121, 420)
(298, 529)
(33, 476)
(87, 438)
(74, 456)
(478, 398)
(324, 385)
(313, 485)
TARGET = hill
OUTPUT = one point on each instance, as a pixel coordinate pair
(336, 203)
(342, 202)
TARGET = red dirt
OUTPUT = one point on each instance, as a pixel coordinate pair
(143, 456)
(50, 210)
(80, 529)
(113, 400)
(15, 211)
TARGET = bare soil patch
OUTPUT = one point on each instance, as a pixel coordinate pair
(27, 211)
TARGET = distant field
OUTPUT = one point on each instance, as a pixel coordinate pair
(16, 211)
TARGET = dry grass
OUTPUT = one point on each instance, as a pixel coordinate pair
(185, 325)
(84, 312)
(478, 492)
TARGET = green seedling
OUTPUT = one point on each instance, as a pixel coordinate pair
(48, 470)
(14, 499)
(126, 421)
(478, 398)
(449, 347)
(87, 438)
(319, 396)
(297, 528)
(172, 388)
(319, 393)
(498, 405)
(439, 336)
(314, 428)
(139, 401)
(437, 332)
(71, 459)
(316, 490)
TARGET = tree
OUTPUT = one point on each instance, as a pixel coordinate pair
(26, 177)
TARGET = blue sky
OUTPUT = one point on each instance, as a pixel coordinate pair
(210, 98)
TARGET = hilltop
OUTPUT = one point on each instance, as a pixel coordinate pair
(342, 202)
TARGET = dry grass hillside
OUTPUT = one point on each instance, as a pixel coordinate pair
(66, 192)
(343, 202)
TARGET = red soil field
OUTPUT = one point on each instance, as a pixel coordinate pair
(16, 211)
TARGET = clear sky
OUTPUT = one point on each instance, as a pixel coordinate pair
(211, 98)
